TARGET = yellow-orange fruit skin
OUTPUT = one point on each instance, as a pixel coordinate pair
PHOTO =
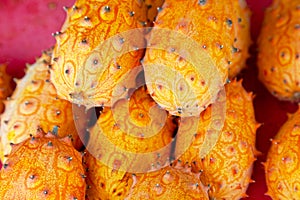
(227, 168)
(134, 129)
(279, 55)
(174, 183)
(34, 104)
(6, 87)
(87, 73)
(104, 182)
(220, 33)
(43, 167)
(242, 37)
(282, 169)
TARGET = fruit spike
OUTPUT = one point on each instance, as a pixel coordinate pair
(135, 135)
(282, 166)
(227, 167)
(35, 170)
(168, 183)
(6, 86)
(210, 31)
(279, 50)
(34, 104)
(87, 68)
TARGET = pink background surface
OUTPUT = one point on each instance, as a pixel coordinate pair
(25, 31)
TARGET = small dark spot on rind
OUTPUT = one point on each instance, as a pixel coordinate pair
(284, 81)
(107, 8)
(69, 158)
(32, 176)
(202, 2)
(204, 46)
(297, 26)
(84, 41)
(282, 54)
(179, 110)
(229, 22)
(86, 18)
(143, 23)
(297, 56)
(49, 144)
(67, 71)
(234, 49)
(159, 9)
(239, 20)
(5, 165)
(272, 69)
(95, 61)
(131, 13)
(45, 192)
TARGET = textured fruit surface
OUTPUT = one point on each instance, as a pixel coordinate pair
(153, 6)
(191, 72)
(6, 87)
(125, 138)
(43, 167)
(34, 104)
(279, 50)
(174, 183)
(104, 182)
(242, 39)
(88, 68)
(282, 165)
(227, 167)
(135, 133)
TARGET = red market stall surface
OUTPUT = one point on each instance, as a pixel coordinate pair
(25, 31)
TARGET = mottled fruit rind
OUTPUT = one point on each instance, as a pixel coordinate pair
(121, 135)
(43, 167)
(279, 50)
(227, 168)
(6, 86)
(282, 166)
(209, 30)
(172, 182)
(88, 68)
(34, 104)
(104, 182)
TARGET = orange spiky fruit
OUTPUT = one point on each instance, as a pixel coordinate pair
(43, 167)
(227, 168)
(104, 182)
(191, 50)
(6, 87)
(168, 183)
(282, 165)
(133, 136)
(34, 104)
(88, 68)
(279, 55)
